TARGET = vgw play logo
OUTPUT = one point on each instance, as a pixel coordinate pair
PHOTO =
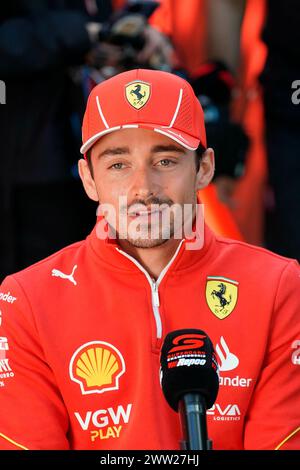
(2, 92)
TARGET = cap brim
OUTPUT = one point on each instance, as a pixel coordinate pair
(187, 141)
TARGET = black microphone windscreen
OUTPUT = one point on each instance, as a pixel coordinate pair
(188, 365)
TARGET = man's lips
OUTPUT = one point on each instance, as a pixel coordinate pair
(142, 211)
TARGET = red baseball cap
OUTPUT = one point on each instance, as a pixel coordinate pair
(150, 99)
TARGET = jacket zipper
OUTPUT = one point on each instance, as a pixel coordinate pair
(154, 286)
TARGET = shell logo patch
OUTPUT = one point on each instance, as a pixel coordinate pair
(97, 367)
(137, 93)
(221, 295)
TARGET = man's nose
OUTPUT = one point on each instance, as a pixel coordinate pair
(143, 184)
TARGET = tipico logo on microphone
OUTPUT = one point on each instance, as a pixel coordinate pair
(97, 367)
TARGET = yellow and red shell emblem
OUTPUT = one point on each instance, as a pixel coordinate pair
(97, 367)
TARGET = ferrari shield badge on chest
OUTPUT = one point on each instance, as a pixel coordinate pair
(221, 295)
(137, 93)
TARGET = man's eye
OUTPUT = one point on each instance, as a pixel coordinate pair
(165, 162)
(117, 166)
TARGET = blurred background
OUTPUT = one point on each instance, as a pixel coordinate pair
(242, 58)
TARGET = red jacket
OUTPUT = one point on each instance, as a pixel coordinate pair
(81, 333)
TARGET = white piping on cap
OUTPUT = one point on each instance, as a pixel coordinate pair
(92, 139)
(171, 136)
(101, 113)
(84, 148)
(176, 110)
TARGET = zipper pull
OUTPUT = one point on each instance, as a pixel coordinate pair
(155, 295)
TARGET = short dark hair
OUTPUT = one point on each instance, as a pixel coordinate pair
(199, 154)
(89, 161)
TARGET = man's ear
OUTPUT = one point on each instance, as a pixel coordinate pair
(206, 170)
(87, 180)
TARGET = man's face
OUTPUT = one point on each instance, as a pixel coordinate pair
(142, 180)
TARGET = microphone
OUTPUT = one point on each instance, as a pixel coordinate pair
(190, 382)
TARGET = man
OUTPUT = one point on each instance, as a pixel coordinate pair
(81, 331)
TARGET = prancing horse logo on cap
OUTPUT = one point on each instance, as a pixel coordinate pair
(137, 93)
